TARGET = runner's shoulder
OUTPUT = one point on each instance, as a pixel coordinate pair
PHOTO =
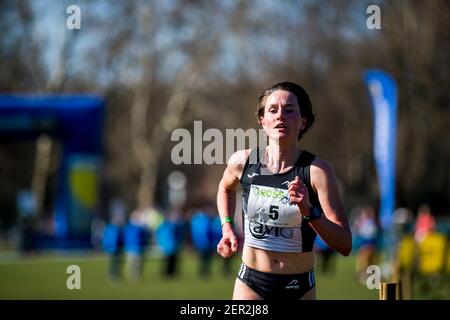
(239, 157)
(322, 165)
(237, 161)
(321, 170)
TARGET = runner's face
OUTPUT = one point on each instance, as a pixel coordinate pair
(282, 118)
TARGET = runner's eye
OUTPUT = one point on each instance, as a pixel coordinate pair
(290, 109)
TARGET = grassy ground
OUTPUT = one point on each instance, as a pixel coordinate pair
(44, 277)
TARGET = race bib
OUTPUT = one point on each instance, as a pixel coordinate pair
(271, 206)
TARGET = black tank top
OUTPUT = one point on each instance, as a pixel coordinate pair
(263, 235)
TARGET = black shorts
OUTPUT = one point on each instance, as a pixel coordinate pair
(272, 286)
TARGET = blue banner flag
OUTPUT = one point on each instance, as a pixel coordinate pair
(383, 94)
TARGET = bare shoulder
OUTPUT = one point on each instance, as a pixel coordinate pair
(321, 166)
(239, 157)
(237, 161)
(321, 173)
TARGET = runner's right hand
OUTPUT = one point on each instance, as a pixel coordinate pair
(228, 245)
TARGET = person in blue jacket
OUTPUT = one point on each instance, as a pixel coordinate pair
(136, 241)
(202, 239)
(170, 236)
(325, 254)
(113, 241)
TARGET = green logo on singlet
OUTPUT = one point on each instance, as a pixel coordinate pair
(269, 193)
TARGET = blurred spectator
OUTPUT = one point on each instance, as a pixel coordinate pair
(206, 232)
(404, 221)
(366, 233)
(201, 224)
(113, 240)
(432, 252)
(404, 238)
(137, 237)
(153, 218)
(97, 230)
(425, 223)
(170, 236)
(26, 207)
(325, 254)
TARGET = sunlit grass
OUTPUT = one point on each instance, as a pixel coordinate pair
(44, 277)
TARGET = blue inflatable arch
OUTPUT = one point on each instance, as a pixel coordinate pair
(76, 121)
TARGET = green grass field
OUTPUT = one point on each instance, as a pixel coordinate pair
(44, 277)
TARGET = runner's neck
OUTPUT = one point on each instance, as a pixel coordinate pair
(279, 160)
